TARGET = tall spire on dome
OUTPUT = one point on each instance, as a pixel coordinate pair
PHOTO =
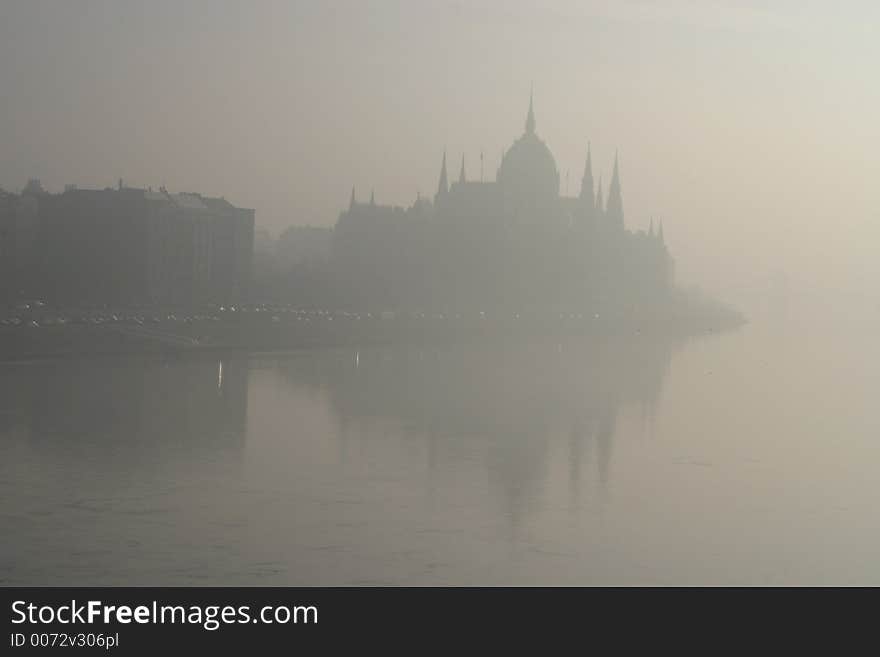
(587, 198)
(530, 119)
(352, 202)
(372, 197)
(614, 209)
(461, 176)
(443, 186)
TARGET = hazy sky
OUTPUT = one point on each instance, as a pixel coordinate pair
(750, 127)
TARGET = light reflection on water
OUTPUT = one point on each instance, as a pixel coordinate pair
(740, 458)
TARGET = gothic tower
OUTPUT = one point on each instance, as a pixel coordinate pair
(530, 119)
(443, 186)
(614, 209)
(587, 200)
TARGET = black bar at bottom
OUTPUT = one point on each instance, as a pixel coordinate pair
(138, 620)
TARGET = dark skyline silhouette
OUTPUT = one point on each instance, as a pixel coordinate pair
(513, 244)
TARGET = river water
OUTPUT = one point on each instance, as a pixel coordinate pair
(750, 457)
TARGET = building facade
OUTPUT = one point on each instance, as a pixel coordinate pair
(126, 247)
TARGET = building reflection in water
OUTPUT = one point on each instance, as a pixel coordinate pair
(340, 465)
(146, 403)
(503, 405)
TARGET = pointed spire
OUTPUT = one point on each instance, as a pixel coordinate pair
(600, 205)
(614, 209)
(352, 202)
(530, 119)
(615, 175)
(587, 198)
(443, 186)
(660, 233)
(462, 178)
(372, 197)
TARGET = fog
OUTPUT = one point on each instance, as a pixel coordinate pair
(491, 292)
(749, 129)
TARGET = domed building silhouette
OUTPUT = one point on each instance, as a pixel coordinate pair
(528, 177)
(514, 241)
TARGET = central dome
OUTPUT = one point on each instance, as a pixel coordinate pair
(530, 164)
(528, 175)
